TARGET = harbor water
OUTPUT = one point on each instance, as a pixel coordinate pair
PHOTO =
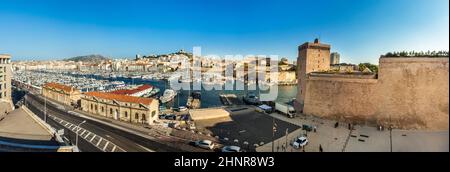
(209, 98)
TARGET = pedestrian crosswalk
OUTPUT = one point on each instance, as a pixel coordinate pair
(98, 141)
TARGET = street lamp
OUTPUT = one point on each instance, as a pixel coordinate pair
(45, 108)
(76, 132)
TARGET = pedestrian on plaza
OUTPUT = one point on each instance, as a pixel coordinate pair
(315, 129)
(320, 148)
(350, 126)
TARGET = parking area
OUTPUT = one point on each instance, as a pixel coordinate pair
(245, 128)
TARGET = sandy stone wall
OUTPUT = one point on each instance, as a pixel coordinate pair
(410, 93)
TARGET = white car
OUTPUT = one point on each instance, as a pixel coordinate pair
(300, 142)
(231, 149)
(182, 108)
(205, 144)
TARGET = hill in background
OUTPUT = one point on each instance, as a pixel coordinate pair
(88, 58)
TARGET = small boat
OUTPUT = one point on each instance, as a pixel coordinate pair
(135, 77)
(152, 93)
(168, 95)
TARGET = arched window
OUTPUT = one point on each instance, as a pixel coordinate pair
(103, 109)
(126, 114)
(143, 117)
(110, 111)
(92, 107)
(96, 107)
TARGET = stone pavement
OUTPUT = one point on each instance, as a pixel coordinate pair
(331, 139)
(361, 139)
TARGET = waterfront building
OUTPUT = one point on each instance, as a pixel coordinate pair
(5, 83)
(136, 92)
(121, 107)
(335, 58)
(62, 93)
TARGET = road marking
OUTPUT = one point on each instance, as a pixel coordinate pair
(105, 146)
(87, 135)
(99, 141)
(66, 124)
(114, 148)
(92, 138)
(83, 132)
(147, 149)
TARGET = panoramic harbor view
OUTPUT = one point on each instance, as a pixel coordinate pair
(79, 76)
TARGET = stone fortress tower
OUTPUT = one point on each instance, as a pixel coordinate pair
(312, 57)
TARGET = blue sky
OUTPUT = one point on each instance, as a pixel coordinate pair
(360, 30)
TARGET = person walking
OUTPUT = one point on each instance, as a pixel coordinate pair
(320, 148)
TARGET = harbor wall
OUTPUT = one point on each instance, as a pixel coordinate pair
(409, 93)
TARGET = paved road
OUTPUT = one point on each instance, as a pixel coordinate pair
(129, 142)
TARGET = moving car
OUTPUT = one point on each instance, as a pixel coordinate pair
(231, 149)
(300, 142)
(205, 144)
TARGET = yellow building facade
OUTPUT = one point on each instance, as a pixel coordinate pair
(67, 95)
(121, 107)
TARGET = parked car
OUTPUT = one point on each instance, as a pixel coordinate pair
(171, 117)
(163, 116)
(205, 144)
(182, 109)
(307, 128)
(231, 149)
(300, 142)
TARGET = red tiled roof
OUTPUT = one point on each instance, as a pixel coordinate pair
(65, 88)
(120, 98)
(133, 91)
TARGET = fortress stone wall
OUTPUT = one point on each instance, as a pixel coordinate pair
(409, 93)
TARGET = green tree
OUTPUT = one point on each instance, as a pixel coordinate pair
(372, 67)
